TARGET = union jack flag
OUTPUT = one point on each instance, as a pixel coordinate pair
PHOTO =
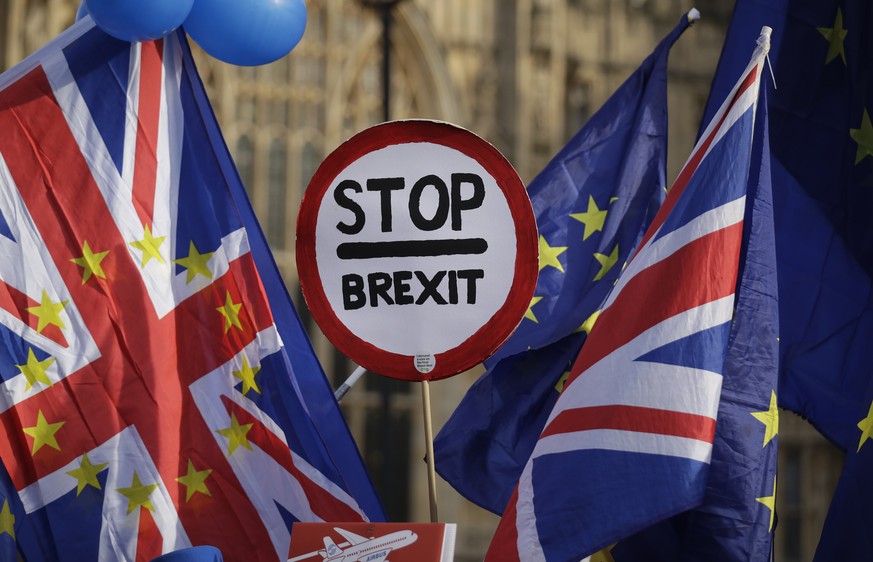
(630, 440)
(156, 388)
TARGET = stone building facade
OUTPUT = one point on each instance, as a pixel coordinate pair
(525, 75)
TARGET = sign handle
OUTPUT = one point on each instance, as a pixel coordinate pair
(428, 438)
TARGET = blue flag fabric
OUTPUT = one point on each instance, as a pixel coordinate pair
(593, 202)
(822, 141)
(193, 554)
(632, 438)
(158, 389)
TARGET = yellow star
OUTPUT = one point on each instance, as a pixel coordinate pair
(530, 314)
(194, 481)
(138, 494)
(606, 262)
(34, 370)
(7, 520)
(559, 386)
(48, 312)
(866, 427)
(195, 263)
(835, 36)
(593, 219)
(230, 311)
(588, 325)
(247, 375)
(150, 246)
(43, 433)
(770, 419)
(549, 255)
(603, 555)
(864, 137)
(236, 435)
(86, 474)
(770, 502)
(90, 263)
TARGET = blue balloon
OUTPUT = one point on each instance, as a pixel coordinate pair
(139, 20)
(247, 32)
(82, 11)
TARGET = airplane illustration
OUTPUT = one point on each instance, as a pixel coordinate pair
(362, 549)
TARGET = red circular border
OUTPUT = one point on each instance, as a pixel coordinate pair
(498, 328)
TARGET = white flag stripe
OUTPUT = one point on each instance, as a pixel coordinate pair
(622, 440)
(619, 378)
(169, 142)
(646, 385)
(745, 101)
(528, 542)
(170, 139)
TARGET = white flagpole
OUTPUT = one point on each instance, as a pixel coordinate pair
(346, 386)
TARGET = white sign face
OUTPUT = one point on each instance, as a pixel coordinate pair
(410, 252)
(415, 252)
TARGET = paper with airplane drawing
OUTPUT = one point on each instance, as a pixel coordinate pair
(372, 542)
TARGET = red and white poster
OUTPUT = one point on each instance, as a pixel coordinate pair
(372, 542)
(417, 249)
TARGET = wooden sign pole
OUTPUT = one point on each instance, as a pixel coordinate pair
(428, 438)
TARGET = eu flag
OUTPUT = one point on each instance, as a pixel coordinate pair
(157, 390)
(822, 142)
(593, 201)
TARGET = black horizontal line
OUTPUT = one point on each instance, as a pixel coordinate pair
(410, 248)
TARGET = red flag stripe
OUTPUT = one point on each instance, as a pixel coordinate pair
(504, 544)
(148, 127)
(633, 418)
(647, 300)
(149, 543)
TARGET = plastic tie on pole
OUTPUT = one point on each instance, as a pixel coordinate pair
(764, 42)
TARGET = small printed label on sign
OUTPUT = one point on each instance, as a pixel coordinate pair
(424, 363)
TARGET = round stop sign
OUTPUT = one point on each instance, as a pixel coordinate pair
(417, 249)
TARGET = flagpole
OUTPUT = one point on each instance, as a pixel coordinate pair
(428, 438)
(346, 386)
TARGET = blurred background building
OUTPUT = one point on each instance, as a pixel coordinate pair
(523, 74)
